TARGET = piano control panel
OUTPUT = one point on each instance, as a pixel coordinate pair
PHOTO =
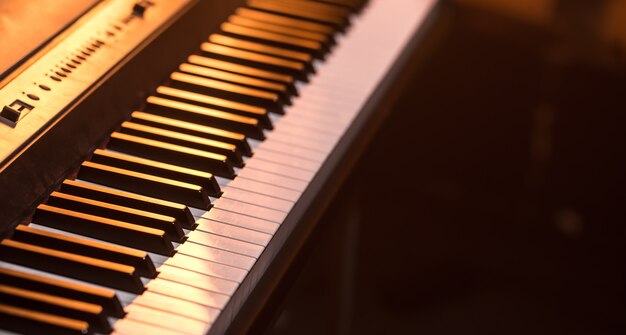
(104, 38)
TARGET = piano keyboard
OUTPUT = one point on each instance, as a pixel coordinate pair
(158, 232)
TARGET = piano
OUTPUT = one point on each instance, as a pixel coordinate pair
(162, 162)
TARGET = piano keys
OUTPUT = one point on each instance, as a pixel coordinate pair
(185, 217)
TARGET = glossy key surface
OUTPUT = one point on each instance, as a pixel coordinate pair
(124, 233)
(178, 211)
(145, 184)
(89, 269)
(86, 247)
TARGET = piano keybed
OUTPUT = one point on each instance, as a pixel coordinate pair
(162, 225)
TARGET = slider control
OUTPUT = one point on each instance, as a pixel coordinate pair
(15, 111)
(140, 7)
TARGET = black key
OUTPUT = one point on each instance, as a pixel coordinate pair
(224, 90)
(25, 321)
(122, 277)
(205, 116)
(354, 5)
(239, 140)
(288, 67)
(186, 140)
(180, 212)
(124, 233)
(316, 6)
(80, 246)
(263, 48)
(286, 21)
(258, 113)
(159, 169)
(312, 48)
(233, 77)
(172, 154)
(99, 296)
(146, 184)
(46, 303)
(276, 7)
(324, 39)
(165, 223)
(246, 70)
(266, 85)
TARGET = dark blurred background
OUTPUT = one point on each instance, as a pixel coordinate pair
(492, 199)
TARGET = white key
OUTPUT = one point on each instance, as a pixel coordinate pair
(217, 255)
(274, 179)
(317, 86)
(314, 112)
(264, 188)
(241, 220)
(250, 210)
(197, 280)
(258, 199)
(323, 147)
(189, 293)
(225, 243)
(234, 232)
(280, 170)
(287, 160)
(327, 121)
(166, 320)
(296, 132)
(177, 306)
(321, 129)
(207, 267)
(133, 327)
(291, 150)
